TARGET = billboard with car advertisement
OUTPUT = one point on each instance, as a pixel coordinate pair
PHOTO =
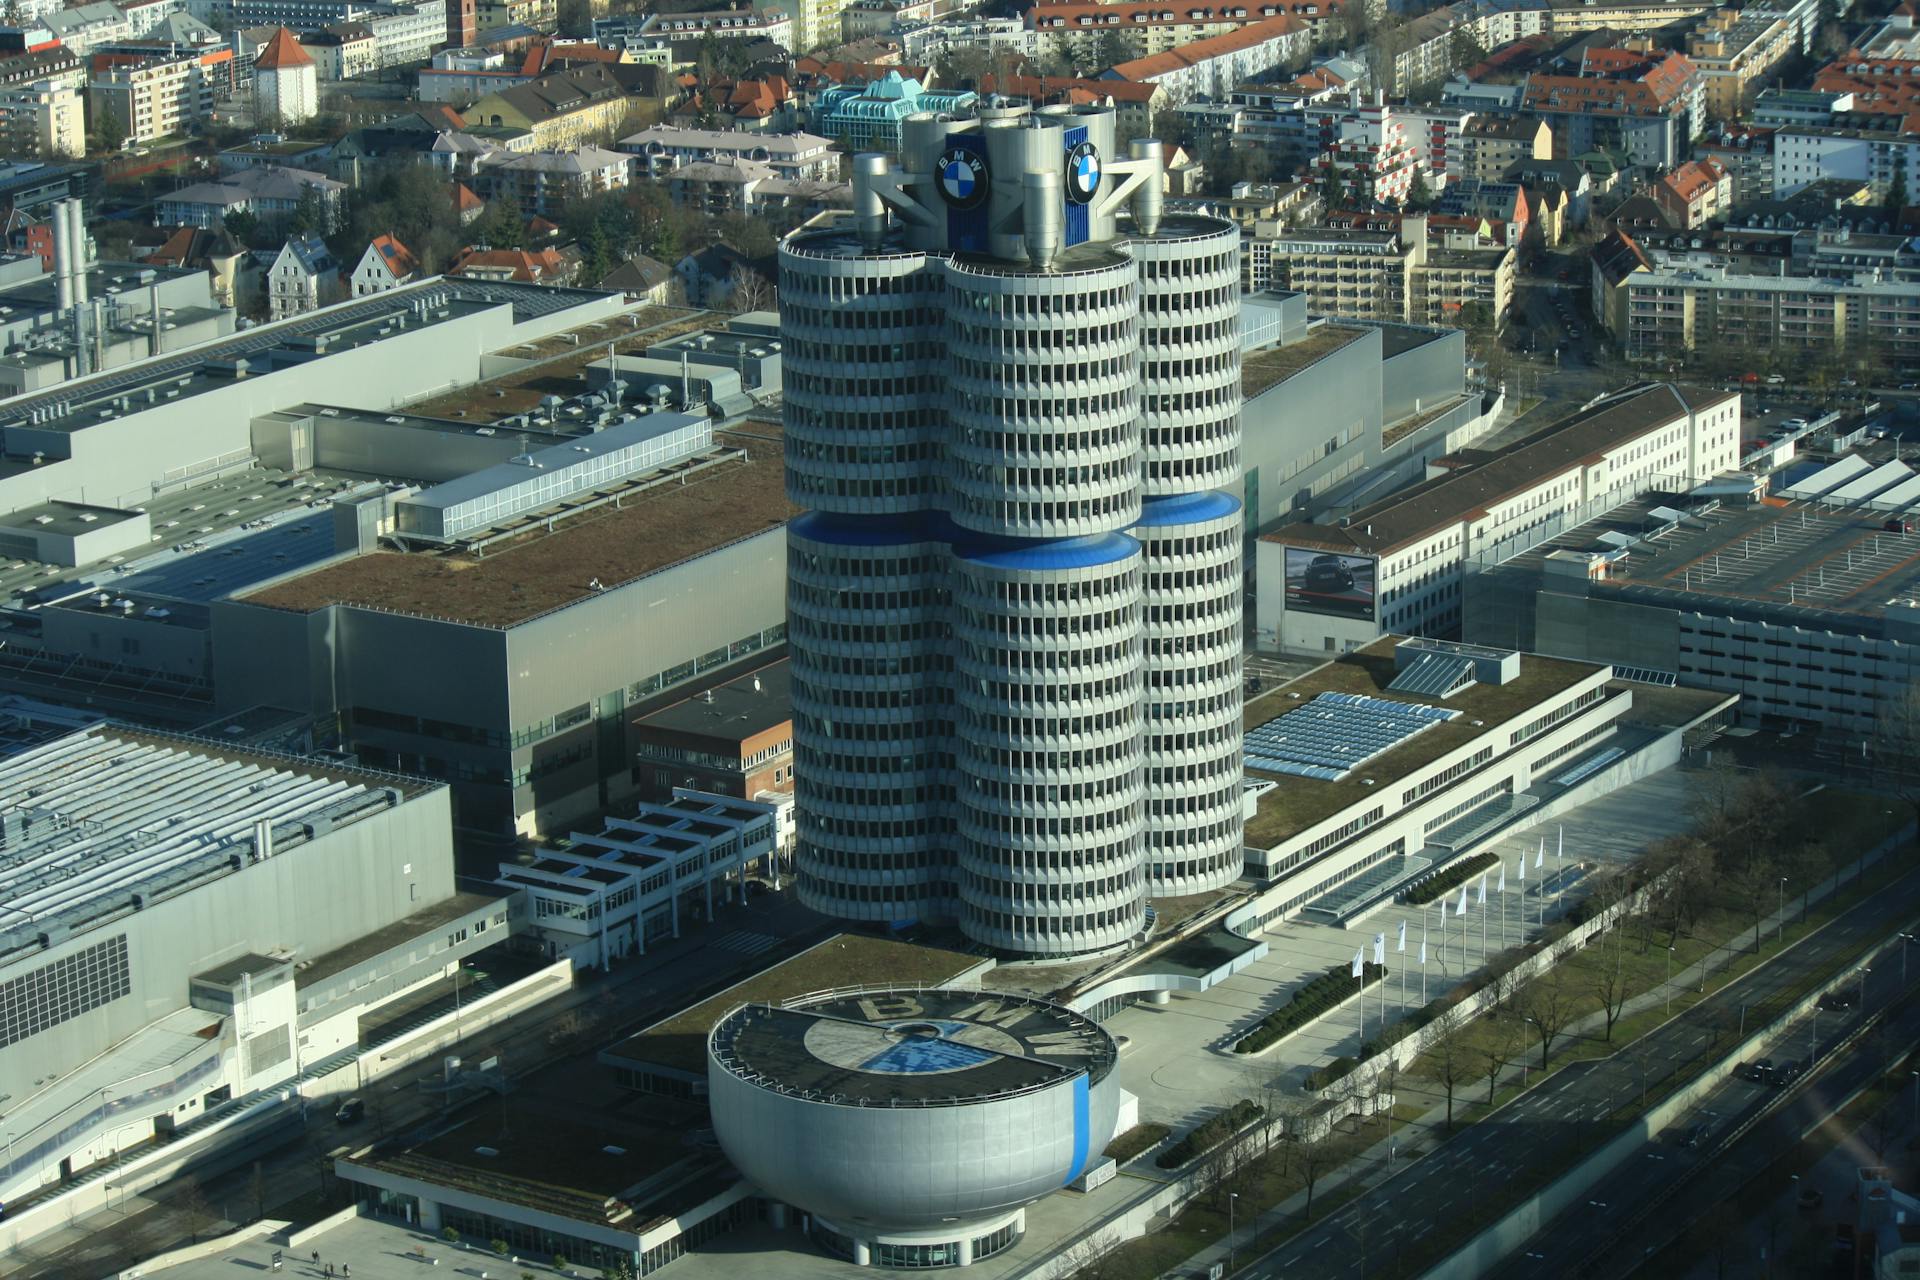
(1326, 582)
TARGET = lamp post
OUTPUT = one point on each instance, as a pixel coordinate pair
(1864, 971)
(1669, 996)
(1905, 938)
(1780, 921)
(1232, 1196)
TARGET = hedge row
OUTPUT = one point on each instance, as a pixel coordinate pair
(1308, 1003)
(1450, 878)
(1211, 1134)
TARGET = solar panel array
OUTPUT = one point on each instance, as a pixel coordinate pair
(1335, 733)
(1434, 675)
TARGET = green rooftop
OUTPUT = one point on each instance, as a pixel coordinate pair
(845, 960)
(1298, 803)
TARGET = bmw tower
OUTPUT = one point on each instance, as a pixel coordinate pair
(1012, 412)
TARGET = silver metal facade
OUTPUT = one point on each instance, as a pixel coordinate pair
(1012, 405)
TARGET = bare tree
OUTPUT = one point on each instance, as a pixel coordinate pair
(1549, 1009)
(1502, 1045)
(1313, 1153)
(197, 1212)
(1089, 1259)
(1755, 884)
(1895, 746)
(1610, 984)
(751, 291)
(1446, 1058)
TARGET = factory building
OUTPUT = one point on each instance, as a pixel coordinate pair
(189, 928)
(1015, 420)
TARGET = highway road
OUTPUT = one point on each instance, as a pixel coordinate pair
(1400, 1223)
(1619, 1228)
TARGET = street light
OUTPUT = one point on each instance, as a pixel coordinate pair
(1864, 971)
(1780, 921)
(1669, 1005)
(1905, 938)
(1231, 1197)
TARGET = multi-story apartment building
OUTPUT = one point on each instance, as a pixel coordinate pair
(1837, 290)
(775, 24)
(1746, 153)
(542, 183)
(1622, 17)
(43, 121)
(404, 34)
(1382, 275)
(1213, 67)
(83, 27)
(1493, 143)
(1872, 147)
(158, 93)
(1440, 138)
(1087, 31)
(1374, 149)
(1427, 48)
(55, 66)
(561, 110)
(541, 15)
(1649, 106)
(659, 149)
(1735, 51)
(144, 17)
(1014, 606)
(342, 51)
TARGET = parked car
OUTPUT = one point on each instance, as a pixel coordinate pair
(1760, 1072)
(1786, 1073)
(1776, 380)
(350, 1111)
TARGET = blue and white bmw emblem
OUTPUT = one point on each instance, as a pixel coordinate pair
(963, 177)
(1083, 173)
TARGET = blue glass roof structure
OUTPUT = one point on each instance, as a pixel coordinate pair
(1336, 733)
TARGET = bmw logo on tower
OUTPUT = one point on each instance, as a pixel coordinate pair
(1083, 173)
(963, 177)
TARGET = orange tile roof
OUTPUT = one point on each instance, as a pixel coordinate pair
(1213, 47)
(530, 266)
(398, 259)
(1881, 85)
(1614, 82)
(1690, 181)
(464, 200)
(282, 53)
(1047, 89)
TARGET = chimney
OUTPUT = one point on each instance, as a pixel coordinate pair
(62, 260)
(77, 237)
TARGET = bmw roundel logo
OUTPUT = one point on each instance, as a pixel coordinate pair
(1083, 173)
(963, 177)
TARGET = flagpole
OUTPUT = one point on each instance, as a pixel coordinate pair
(1423, 958)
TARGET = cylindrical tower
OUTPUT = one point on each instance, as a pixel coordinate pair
(1047, 700)
(1194, 630)
(1191, 532)
(1016, 421)
(873, 757)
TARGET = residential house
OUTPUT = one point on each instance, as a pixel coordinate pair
(759, 104)
(647, 279)
(236, 275)
(342, 51)
(527, 266)
(383, 267)
(304, 277)
(1746, 151)
(708, 278)
(1695, 193)
(83, 26)
(543, 15)
(1612, 261)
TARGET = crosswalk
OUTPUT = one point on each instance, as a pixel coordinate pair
(746, 942)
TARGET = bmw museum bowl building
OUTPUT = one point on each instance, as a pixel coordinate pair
(911, 1127)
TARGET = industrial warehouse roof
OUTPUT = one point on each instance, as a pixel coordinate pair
(734, 712)
(1446, 500)
(108, 818)
(721, 502)
(1269, 366)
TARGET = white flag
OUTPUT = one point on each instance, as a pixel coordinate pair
(1403, 938)
(1380, 949)
(1357, 956)
(1423, 955)
(1483, 889)
(1540, 856)
(1460, 908)
(1522, 864)
(1503, 877)
(1560, 848)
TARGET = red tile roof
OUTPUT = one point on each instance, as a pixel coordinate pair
(1187, 55)
(1888, 86)
(399, 261)
(282, 53)
(530, 266)
(1614, 82)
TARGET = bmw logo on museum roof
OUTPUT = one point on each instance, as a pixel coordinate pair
(1083, 172)
(963, 177)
